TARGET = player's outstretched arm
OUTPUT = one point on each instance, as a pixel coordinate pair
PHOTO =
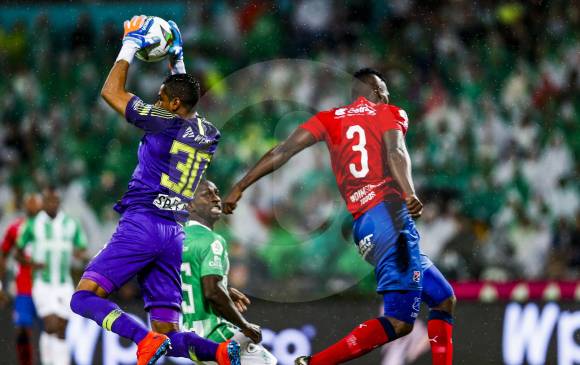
(134, 39)
(220, 300)
(400, 165)
(176, 63)
(270, 162)
(113, 91)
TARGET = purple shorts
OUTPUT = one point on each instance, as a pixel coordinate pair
(147, 246)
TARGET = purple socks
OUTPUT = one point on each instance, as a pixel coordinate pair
(107, 315)
(183, 343)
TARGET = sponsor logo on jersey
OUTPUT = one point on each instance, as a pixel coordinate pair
(356, 110)
(188, 133)
(362, 193)
(166, 202)
(216, 262)
(416, 276)
(217, 248)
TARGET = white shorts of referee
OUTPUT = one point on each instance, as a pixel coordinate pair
(251, 353)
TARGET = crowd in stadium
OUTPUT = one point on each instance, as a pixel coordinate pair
(491, 91)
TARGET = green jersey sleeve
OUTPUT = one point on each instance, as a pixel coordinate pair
(214, 260)
(79, 238)
(26, 234)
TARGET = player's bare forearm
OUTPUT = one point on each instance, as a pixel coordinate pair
(399, 163)
(218, 297)
(278, 156)
(270, 162)
(113, 91)
(399, 160)
(21, 257)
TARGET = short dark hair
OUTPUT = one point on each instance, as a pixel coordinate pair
(367, 71)
(182, 86)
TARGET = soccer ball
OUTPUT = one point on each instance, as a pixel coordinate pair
(160, 28)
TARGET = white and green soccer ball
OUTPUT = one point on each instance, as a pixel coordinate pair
(158, 52)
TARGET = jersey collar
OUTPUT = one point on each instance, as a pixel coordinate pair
(196, 223)
(362, 99)
(45, 215)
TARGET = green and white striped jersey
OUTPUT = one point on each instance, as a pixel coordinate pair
(204, 253)
(52, 242)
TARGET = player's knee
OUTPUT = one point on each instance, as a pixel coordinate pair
(78, 299)
(51, 324)
(452, 300)
(448, 305)
(61, 331)
(403, 329)
(164, 327)
(396, 328)
(91, 286)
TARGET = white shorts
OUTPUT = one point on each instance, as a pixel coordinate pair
(50, 299)
(251, 353)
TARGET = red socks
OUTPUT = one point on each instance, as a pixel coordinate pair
(361, 340)
(440, 332)
(24, 348)
(377, 332)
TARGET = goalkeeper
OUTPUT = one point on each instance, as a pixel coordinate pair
(210, 308)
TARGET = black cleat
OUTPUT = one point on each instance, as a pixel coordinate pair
(302, 360)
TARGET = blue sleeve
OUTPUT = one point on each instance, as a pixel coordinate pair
(147, 116)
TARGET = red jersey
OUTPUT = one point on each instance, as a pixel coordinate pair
(24, 272)
(354, 136)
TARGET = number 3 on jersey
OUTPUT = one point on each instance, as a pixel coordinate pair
(360, 147)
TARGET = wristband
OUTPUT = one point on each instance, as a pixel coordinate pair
(178, 67)
(127, 52)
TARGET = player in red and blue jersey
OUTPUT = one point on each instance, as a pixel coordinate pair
(366, 140)
(175, 150)
(24, 310)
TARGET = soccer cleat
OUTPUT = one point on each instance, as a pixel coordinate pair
(228, 353)
(151, 348)
(302, 360)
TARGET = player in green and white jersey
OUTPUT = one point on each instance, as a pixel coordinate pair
(209, 307)
(51, 238)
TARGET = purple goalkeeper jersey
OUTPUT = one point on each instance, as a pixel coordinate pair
(173, 156)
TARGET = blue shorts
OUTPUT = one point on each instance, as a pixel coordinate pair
(402, 305)
(387, 238)
(435, 287)
(24, 312)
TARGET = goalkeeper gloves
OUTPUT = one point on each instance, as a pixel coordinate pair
(176, 50)
(135, 37)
